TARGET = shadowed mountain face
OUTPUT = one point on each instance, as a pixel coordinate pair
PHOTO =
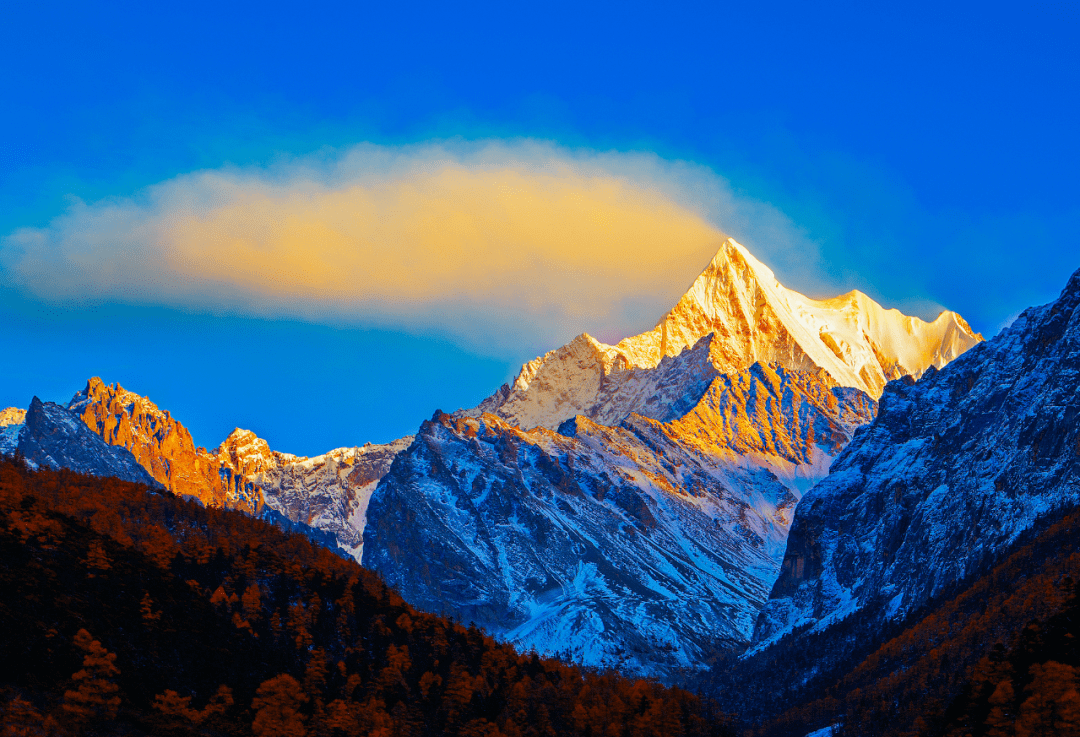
(52, 437)
(952, 470)
(647, 545)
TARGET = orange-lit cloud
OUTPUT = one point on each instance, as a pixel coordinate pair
(495, 245)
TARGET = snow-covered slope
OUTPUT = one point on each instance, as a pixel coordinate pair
(954, 468)
(329, 492)
(644, 545)
(755, 319)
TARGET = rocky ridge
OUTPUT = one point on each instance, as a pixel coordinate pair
(952, 470)
(328, 492)
(162, 445)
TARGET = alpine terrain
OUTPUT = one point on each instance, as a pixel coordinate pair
(325, 496)
(630, 504)
(954, 468)
(626, 505)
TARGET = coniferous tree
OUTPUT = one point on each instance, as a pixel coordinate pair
(95, 695)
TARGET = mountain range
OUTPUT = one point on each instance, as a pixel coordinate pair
(626, 505)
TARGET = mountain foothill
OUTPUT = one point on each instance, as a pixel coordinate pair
(768, 515)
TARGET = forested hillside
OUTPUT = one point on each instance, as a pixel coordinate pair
(128, 611)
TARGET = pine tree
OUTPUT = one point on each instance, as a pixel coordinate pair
(97, 559)
(1000, 722)
(277, 707)
(173, 704)
(96, 695)
(146, 609)
(19, 718)
(1040, 714)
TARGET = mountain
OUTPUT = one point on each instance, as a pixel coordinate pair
(629, 504)
(638, 495)
(162, 445)
(937, 670)
(325, 496)
(52, 437)
(953, 469)
(647, 545)
(328, 492)
(754, 319)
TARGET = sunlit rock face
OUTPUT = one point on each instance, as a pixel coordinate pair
(12, 416)
(327, 492)
(162, 445)
(643, 545)
(11, 422)
(754, 319)
(953, 469)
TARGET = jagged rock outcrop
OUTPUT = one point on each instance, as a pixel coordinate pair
(645, 545)
(53, 437)
(952, 470)
(12, 416)
(328, 493)
(162, 445)
(754, 319)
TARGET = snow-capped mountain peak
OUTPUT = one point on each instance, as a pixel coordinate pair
(754, 319)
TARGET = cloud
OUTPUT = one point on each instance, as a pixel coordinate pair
(499, 245)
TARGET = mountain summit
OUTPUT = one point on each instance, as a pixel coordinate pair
(629, 505)
(754, 319)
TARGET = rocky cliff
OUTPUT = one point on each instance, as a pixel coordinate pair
(328, 493)
(162, 445)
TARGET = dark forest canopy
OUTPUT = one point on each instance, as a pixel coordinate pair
(127, 611)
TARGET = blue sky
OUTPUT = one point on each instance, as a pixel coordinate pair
(924, 154)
